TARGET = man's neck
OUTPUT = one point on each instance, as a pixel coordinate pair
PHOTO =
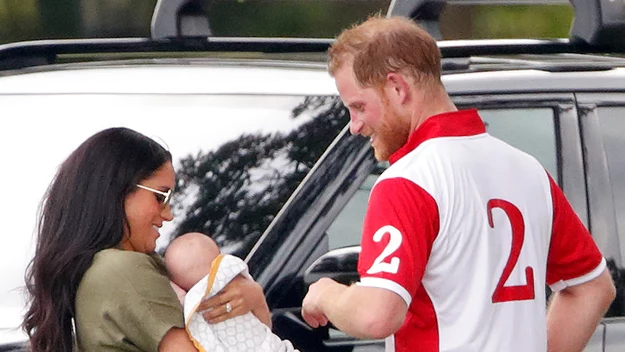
(432, 104)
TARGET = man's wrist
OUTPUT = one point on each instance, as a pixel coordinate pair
(331, 297)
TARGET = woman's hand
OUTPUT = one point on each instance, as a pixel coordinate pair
(243, 295)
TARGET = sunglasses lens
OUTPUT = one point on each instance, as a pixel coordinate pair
(160, 198)
(167, 197)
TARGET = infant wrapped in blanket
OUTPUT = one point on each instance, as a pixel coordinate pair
(191, 256)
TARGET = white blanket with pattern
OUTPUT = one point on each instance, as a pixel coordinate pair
(244, 333)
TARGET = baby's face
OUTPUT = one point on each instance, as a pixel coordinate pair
(189, 258)
(198, 265)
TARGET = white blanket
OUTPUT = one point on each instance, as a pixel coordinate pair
(244, 333)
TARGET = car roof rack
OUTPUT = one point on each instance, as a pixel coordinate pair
(179, 18)
(596, 22)
(47, 52)
(599, 22)
(178, 28)
(22, 55)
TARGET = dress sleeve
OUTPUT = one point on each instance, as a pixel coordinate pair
(401, 224)
(142, 305)
(573, 258)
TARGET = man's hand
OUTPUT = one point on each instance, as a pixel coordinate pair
(328, 300)
(313, 304)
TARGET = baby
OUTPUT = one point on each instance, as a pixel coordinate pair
(198, 271)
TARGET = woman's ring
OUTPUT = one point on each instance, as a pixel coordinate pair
(228, 307)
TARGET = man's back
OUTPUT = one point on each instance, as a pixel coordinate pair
(483, 212)
(473, 263)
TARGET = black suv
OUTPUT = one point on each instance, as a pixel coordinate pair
(266, 164)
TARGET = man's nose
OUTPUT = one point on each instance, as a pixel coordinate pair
(355, 126)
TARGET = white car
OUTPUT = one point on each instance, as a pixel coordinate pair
(264, 161)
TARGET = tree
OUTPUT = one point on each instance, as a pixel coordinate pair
(234, 192)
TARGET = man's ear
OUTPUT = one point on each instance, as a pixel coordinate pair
(397, 88)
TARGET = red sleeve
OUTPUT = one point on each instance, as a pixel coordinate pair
(400, 227)
(572, 251)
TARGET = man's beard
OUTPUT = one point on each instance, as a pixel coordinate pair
(392, 133)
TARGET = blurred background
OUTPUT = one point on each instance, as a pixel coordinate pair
(52, 19)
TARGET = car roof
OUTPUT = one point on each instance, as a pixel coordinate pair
(535, 81)
(555, 73)
(175, 76)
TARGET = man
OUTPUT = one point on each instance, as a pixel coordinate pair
(462, 231)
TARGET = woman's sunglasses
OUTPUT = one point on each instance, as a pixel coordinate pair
(161, 197)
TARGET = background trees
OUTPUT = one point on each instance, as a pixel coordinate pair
(234, 192)
(45, 19)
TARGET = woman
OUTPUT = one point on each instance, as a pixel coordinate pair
(95, 261)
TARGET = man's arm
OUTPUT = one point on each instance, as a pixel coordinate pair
(575, 312)
(360, 311)
(408, 225)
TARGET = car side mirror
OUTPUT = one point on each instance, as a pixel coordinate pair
(338, 264)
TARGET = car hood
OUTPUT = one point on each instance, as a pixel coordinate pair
(10, 321)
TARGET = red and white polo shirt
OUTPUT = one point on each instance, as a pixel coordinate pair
(467, 230)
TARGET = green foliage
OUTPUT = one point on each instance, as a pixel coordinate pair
(234, 192)
(42, 19)
(522, 21)
(18, 19)
(288, 18)
(59, 18)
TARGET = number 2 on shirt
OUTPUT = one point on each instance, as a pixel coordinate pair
(512, 293)
(379, 265)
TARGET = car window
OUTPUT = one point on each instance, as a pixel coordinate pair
(529, 129)
(612, 125)
(612, 122)
(346, 229)
(237, 158)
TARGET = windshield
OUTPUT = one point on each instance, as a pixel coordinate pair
(237, 159)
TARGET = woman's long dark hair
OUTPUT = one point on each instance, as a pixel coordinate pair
(81, 214)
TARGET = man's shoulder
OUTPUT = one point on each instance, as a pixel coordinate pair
(414, 168)
(435, 158)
